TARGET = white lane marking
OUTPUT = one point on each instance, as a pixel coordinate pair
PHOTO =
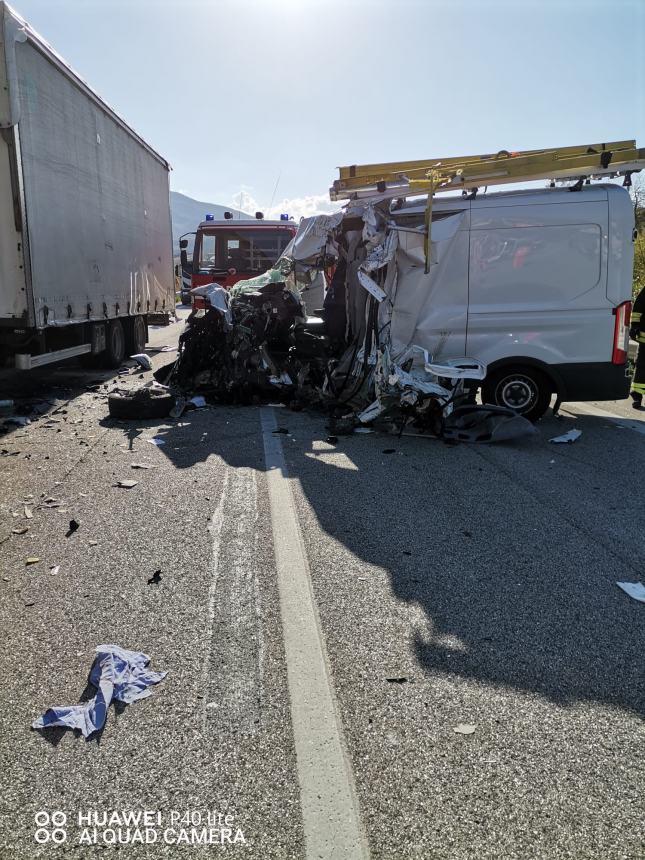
(330, 811)
(598, 412)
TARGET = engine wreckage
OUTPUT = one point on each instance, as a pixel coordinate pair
(366, 357)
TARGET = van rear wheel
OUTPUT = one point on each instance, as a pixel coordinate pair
(525, 390)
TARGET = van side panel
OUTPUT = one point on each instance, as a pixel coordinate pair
(538, 281)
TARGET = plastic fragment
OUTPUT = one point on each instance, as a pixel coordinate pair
(20, 531)
(155, 579)
(570, 436)
(54, 569)
(127, 485)
(33, 559)
(464, 729)
(633, 589)
(156, 441)
(141, 466)
(28, 513)
(74, 525)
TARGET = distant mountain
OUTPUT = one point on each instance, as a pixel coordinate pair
(187, 213)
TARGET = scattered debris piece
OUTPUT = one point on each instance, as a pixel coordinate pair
(30, 602)
(464, 729)
(143, 360)
(168, 349)
(397, 680)
(20, 531)
(74, 526)
(569, 436)
(198, 401)
(141, 466)
(155, 579)
(406, 552)
(33, 559)
(127, 485)
(363, 430)
(634, 589)
(281, 430)
(28, 513)
(117, 674)
(54, 569)
(156, 440)
(389, 451)
(92, 542)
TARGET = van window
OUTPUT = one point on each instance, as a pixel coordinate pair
(534, 264)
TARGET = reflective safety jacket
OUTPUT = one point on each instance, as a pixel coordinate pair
(637, 329)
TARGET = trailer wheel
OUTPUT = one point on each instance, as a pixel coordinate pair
(115, 352)
(525, 390)
(137, 336)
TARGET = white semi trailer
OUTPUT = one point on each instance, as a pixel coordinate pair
(85, 228)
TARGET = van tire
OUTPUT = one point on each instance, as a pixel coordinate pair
(115, 352)
(525, 390)
(124, 407)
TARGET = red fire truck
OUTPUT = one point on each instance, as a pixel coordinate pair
(234, 249)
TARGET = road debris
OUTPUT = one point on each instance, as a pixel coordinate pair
(155, 579)
(569, 436)
(142, 360)
(156, 440)
(28, 513)
(117, 674)
(20, 531)
(33, 559)
(54, 569)
(281, 431)
(92, 542)
(633, 589)
(464, 729)
(141, 466)
(126, 485)
(198, 401)
(74, 526)
(397, 680)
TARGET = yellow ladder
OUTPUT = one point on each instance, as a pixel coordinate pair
(468, 172)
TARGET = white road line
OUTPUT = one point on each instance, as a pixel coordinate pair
(598, 412)
(330, 810)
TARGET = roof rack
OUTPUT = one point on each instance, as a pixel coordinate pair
(394, 179)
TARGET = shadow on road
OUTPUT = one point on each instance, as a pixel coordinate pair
(511, 570)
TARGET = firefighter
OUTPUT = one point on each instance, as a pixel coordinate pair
(637, 333)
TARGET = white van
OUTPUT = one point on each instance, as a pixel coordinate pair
(536, 284)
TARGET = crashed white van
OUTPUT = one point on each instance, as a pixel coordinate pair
(536, 285)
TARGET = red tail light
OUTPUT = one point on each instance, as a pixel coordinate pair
(621, 333)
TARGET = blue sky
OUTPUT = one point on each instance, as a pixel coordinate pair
(238, 93)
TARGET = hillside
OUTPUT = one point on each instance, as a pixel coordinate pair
(187, 213)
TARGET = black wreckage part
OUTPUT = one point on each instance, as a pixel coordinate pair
(268, 352)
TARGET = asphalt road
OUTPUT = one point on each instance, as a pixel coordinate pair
(328, 615)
